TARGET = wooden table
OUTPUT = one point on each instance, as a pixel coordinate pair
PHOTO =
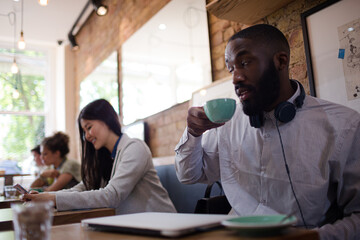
(65, 217)
(6, 202)
(9, 177)
(75, 231)
(76, 216)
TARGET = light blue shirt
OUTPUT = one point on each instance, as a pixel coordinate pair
(322, 148)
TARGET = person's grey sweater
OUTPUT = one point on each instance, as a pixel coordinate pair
(133, 186)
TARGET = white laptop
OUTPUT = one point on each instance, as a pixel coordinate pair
(157, 224)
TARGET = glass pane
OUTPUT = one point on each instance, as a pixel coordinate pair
(24, 91)
(21, 95)
(21, 92)
(166, 60)
(102, 83)
(146, 94)
(18, 135)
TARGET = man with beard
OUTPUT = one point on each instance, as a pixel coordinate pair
(282, 151)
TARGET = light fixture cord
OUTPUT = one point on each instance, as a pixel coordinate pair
(14, 33)
(14, 23)
(22, 14)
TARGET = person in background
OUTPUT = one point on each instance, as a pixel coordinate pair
(117, 171)
(39, 165)
(282, 151)
(63, 173)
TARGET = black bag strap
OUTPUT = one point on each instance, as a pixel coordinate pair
(208, 189)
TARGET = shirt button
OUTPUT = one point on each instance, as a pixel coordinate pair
(262, 201)
(267, 135)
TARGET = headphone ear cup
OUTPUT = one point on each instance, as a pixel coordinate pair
(285, 112)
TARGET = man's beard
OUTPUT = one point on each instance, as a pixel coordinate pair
(265, 92)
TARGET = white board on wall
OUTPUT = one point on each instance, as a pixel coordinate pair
(223, 88)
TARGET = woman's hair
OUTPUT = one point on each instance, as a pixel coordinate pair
(96, 165)
(57, 142)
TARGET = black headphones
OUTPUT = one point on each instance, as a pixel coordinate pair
(284, 111)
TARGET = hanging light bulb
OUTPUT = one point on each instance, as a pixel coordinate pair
(43, 2)
(21, 42)
(14, 67)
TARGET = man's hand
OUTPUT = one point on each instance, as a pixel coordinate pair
(198, 122)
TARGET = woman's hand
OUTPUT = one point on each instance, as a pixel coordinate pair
(37, 197)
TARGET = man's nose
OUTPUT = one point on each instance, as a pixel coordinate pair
(238, 76)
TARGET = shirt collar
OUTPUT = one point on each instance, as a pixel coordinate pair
(270, 115)
(113, 153)
(296, 94)
(62, 162)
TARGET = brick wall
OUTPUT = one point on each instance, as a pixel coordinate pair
(166, 128)
(287, 19)
(100, 36)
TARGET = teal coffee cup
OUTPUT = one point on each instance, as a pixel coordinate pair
(220, 110)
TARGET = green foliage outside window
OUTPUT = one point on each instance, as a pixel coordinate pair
(22, 120)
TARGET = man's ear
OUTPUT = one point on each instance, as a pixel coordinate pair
(281, 60)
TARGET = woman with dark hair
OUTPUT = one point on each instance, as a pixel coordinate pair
(65, 173)
(117, 171)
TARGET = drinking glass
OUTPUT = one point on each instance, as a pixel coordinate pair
(33, 220)
(10, 192)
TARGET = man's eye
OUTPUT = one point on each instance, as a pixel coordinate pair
(244, 63)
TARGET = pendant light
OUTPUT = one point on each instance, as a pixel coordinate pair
(14, 67)
(21, 42)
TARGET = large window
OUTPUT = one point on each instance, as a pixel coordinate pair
(22, 101)
(166, 60)
(102, 83)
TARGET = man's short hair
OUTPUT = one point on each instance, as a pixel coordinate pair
(265, 34)
(36, 149)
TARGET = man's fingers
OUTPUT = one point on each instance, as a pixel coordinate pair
(198, 122)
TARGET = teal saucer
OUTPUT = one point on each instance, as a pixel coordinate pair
(256, 226)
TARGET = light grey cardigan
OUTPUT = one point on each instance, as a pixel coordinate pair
(133, 186)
